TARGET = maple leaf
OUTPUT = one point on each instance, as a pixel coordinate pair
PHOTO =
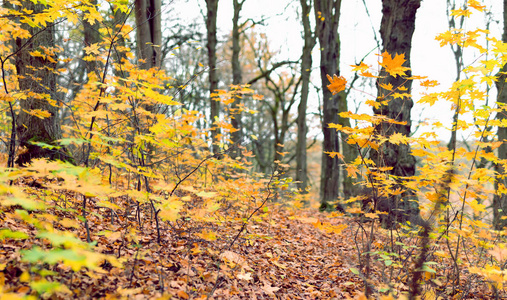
(337, 84)
(335, 154)
(388, 86)
(397, 138)
(429, 83)
(476, 5)
(361, 67)
(368, 74)
(461, 12)
(394, 66)
(352, 171)
(93, 49)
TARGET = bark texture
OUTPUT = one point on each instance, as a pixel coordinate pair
(396, 30)
(327, 15)
(306, 69)
(37, 79)
(236, 77)
(500, 200)
(91, 36)
(149, 32)
(211, 45)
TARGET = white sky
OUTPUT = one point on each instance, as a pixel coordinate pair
(357, 39)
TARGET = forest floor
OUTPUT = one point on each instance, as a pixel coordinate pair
(284, 253)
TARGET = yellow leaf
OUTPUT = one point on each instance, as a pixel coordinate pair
(371, 215)
(207, 235)
(388, 86)
(39, 113)
(93, 49)
(398, 138)
(207, 194)
(461, 12)
(476, 206)
(362, 67)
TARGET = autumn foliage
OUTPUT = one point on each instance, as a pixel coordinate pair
(145, 210)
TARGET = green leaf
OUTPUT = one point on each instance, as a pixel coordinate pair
(354, 270)
(7, 233)
(72, 141)
(26, 203)
(43, 286)
(60, 239)
(44, 145)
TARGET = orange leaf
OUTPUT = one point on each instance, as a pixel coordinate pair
(475, 4)
(394, 66)
(337, 84)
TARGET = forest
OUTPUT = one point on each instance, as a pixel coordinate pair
(150, 155)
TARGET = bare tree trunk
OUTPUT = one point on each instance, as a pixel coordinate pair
(458, 59)
(327, 15)
(38, 79)
(236, 77)
(211, 26)
(500, 200)
(396, 29)
(91, 36)
(306, 69)
(149, 32)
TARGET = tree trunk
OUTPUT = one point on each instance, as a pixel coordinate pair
(236, 78)
(211, 26)
(327, 15)
(38, 80)
(306, 69)
(396, 29)
(149, 32)
(91, 36)
(500, 200)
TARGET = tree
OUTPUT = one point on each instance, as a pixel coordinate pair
(500, 199)
(149, 32)
(211, 45)
(396, 30)
(327, 15)
(37, 79)
(458, 59)
(306, 67)
(91, 36)
(236, 75)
